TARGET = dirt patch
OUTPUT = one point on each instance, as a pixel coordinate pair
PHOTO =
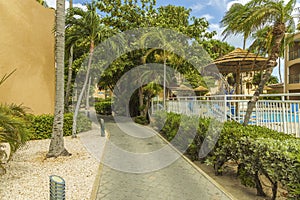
(232, 185)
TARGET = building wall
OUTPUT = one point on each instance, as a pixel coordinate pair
(27, 45)
(291, 67)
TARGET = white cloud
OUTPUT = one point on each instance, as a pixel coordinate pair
(218, 29)
(52, 4)
(208, 17)
(229, 4)
(219, 4)
(197, 7)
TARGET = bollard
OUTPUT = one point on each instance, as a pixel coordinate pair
(57, 188)
(102, 127)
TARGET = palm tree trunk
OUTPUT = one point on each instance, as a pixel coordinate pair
(74, 126)
(87, 102)
(141, 100)
(279, 71)
(244, 42)
(278, 32)
(57, 147)
(70, 71)
(165, 63)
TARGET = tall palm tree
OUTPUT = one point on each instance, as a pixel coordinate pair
(70, 64)
(256, 15)
(90, 29)
(263, 42)
(57, 147)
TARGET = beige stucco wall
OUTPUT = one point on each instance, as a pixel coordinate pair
(27, 44)
(288, 64)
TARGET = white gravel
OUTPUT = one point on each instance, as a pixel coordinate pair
(28, 172)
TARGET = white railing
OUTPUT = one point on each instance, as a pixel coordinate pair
(281, 114)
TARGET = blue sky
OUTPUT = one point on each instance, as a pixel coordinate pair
(212, 10)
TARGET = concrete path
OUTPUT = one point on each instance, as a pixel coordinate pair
(178, 181)
(92, 140)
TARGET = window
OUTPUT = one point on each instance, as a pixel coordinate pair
(294, 50)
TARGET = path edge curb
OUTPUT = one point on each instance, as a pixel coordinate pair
(96, 183)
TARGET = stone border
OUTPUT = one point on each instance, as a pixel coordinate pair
(96, 183)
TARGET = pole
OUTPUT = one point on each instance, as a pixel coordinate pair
(164, 80)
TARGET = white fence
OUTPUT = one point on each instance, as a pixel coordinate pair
(281, 114)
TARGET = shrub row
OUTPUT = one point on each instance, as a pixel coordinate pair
(256, 150)
(103, 107)
(41, 125)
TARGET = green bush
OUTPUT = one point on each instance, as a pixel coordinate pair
(103, 107)
(256, 150)
(41, 125)
(141, 120)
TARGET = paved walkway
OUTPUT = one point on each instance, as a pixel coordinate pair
(177, 181)
(92, 140)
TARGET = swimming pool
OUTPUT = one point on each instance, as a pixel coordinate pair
(272, 116)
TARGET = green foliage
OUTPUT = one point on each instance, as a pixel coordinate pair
(103, 107)
(13, 128)
(256, 150)
(257, 78)
(141, 120)
(41, 125)
(217, 48)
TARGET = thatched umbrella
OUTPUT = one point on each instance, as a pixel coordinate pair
(239, 61)
(181, 88)
(201, 89)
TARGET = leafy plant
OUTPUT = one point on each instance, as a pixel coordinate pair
(103, 107)
(141, 120)
(256, 150)
(41, 125)
(13, 129)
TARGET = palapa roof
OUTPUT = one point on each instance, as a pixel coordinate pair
(240, 59)
(181, 88)
(201, 89)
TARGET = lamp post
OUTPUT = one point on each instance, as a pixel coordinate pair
(57, 188)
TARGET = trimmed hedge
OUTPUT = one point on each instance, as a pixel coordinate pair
(256, 150)
(103, 107)
(41, 125)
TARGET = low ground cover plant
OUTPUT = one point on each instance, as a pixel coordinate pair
(256, 150)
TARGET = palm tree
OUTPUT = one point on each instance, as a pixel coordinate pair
(264, 40)
(231, 20)
(257, 15)
(57, 147)
(70, 64)
(90, 28)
